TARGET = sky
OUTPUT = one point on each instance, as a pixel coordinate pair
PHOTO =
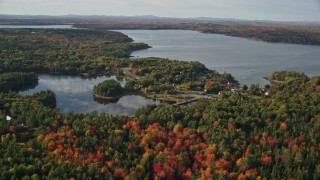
(280, 10)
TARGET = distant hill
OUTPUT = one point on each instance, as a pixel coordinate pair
(307, 33)
(143, 17)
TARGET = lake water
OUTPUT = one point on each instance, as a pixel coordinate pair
(37, 26)
(247, 60)
(75, 95)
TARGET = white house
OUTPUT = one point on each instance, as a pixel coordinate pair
(8, 118)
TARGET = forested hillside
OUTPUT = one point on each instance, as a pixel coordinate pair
(245, 133)
(234, 136)
(62, 51)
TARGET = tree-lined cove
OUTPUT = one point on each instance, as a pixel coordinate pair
(253, 132)
(75, 94)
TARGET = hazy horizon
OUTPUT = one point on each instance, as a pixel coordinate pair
(274, 10)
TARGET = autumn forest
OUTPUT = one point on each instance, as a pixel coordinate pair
(253, 132)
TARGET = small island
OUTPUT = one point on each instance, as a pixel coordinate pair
(108, 89)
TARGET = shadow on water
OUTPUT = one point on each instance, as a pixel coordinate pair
(28, 87)
(105, 101)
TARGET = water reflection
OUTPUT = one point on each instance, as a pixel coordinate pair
(105, 101)
(75, 95)
(28, 87)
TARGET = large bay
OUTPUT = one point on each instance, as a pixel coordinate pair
(247, 60)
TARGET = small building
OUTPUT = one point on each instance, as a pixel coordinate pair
(8, 118)
(230, 85)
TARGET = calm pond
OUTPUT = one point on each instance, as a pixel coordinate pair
(247, 60)
(75, 95)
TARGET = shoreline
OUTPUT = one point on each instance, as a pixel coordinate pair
(119, 96)
(158, 97)
(272, 81)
